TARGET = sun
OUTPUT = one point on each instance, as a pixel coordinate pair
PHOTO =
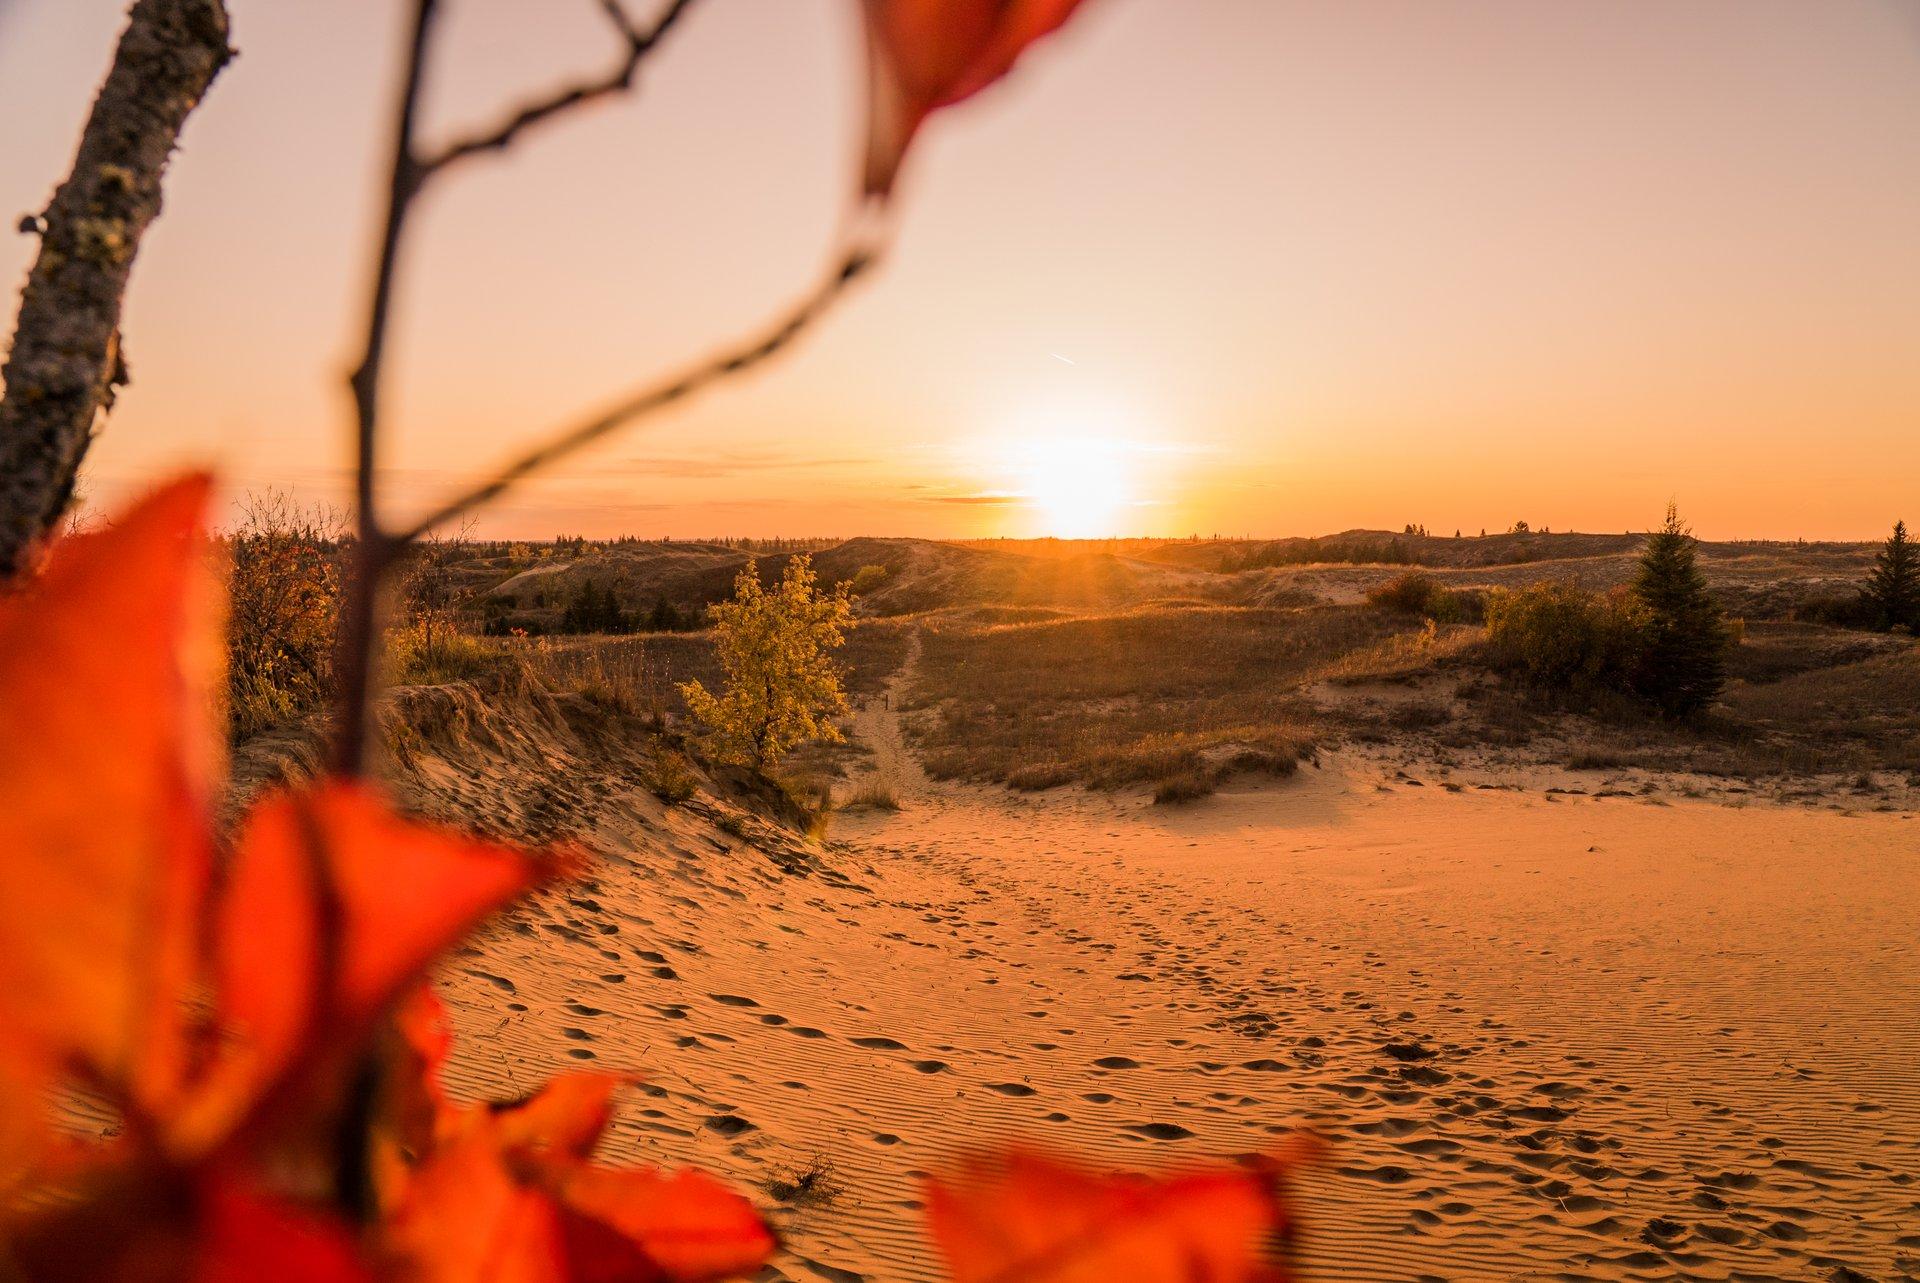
(1078, 487)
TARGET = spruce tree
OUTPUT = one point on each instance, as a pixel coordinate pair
(1683, 663)
(1892, 591)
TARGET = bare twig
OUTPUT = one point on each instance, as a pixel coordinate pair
(639, 44)
(377, 550)
(373, 551)
(656, 396)
(66, 361)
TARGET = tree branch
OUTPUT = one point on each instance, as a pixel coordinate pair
(66, 360)
(374, 551)
(657, 396)
(639, 44)
(377, 550)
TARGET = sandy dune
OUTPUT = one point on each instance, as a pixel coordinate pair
(1551, 1037)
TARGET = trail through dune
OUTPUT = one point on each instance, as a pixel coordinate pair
(1551, 1037)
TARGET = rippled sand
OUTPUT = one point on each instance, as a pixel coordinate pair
(1550, 1036)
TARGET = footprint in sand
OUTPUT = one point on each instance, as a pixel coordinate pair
(931, 1066)
(729, 1124)
(1117, 1062)
(501, 983)
(1011, 1089)
(879, 1044)
(1158, 1131)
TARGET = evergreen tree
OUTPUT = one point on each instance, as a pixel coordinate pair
(664, 618)
(1892, 591)
(592, 609)
(1683, 665)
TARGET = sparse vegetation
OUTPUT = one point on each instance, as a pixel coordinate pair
(1176, 689)
(814, 1182)
(875, 795)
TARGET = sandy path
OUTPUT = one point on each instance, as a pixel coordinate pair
(1564, 1039)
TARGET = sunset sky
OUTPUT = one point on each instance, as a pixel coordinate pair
(1245, 266)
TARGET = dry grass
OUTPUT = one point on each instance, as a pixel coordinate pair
(642, 674)
(1179, 698)
(872, 796)
(1406, 656)
(1141, 697)
(811, 1183)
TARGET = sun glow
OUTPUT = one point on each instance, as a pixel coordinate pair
(1078, 487)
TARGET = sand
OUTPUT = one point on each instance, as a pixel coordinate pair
(1549, 1036)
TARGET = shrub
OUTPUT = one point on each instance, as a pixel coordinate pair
(1408, 593)
(1414, 593)
(866, 579)
(1187, 786)
(669, 777)
(1563, 637)
(285, 595)
(1837, 610)
(419, 656)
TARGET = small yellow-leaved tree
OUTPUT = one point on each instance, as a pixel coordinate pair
(781, 684)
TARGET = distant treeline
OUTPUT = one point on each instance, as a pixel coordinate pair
(593, 609)
(579, 544)
(1307, 552)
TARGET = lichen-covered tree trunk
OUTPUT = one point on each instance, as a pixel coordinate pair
(65, 362)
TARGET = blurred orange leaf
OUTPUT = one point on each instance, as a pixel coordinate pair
(108, 663)
(1022, 1217)
(929, 54)
(685, 1225)
(334, 907)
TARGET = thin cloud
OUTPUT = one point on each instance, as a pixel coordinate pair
(988, 497)
(725, 464)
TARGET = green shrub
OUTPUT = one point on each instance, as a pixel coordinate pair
(1414, 593)
(1562, 637)
(866, 579)
(670, 778)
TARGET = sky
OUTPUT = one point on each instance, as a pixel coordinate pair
(1238, 266)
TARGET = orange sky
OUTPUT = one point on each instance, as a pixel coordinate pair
(1266, 266)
